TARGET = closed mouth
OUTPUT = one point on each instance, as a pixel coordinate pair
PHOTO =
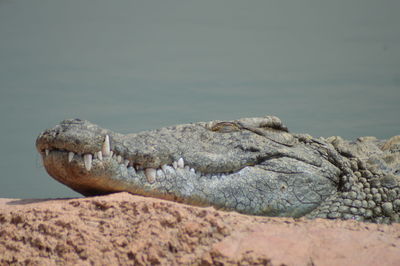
(127, 167)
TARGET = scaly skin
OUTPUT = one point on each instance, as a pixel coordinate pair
(251, 165)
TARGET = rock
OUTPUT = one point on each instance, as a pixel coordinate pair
(125, 229)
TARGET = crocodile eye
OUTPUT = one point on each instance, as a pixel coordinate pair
(225, 127)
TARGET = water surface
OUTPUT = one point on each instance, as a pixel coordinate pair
(325, 68)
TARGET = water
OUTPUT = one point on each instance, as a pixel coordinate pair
(325, 68)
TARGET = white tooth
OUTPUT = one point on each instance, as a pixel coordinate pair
(164, 168)
(111, 154)
(192, 170)
(187, 168)
(131, 170)
(168, 169)
(119, 158)
(106, 147)
(70, 156)
(160, 173)
(150, 175)
(126, 163)
(88, 161)
(100, 155)
(123, 170)
(175, 165)
(47, 152)
(181, 163)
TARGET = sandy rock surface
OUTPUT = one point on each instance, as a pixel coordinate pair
(132, 230)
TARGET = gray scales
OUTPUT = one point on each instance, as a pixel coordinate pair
(251, 165)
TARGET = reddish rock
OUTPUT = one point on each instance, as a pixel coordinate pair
(126, 229)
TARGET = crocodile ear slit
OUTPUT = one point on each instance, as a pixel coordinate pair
(225, 127)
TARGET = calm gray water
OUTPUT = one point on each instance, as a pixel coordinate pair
(324, 67)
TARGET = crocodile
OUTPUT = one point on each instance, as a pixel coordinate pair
(252, 165)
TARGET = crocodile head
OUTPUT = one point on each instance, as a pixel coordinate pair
(251, 165)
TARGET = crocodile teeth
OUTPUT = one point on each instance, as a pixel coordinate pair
(47, 152)
(175, 164)
(100, 155)
(88, 161)
(131, 170)
(168, 170)
(160, 173)
(106, 146)
(119, 158)
(70, 156)
(181, 163)
(126, 163)
(150, 175)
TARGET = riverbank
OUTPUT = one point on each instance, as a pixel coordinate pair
(126, 229)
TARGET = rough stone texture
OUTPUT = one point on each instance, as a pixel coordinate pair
(132, 230)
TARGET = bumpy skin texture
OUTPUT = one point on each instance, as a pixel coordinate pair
(251, 165)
